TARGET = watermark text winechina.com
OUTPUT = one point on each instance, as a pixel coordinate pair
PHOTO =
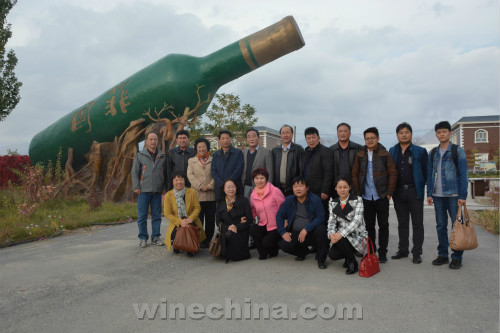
(232, 310)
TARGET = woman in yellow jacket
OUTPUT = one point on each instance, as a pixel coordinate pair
(181, 207)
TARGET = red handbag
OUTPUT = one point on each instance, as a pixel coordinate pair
(369, 264)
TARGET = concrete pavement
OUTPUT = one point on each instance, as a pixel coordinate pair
(89, 281)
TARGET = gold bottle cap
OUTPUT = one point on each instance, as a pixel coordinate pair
(271, 43)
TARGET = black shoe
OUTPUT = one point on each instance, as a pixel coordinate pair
(345, 264)
(417, 259)
(273, 255)
(399, 255)
(440, 261)
(352, 268)
(300, 258)
(262, 258)
(189, 254)
(321, 264)
(382, 258)
(455, 264)
(177, 251)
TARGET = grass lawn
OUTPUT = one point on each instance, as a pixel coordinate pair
(55, 215)
(488, 219)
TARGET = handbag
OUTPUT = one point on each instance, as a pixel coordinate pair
(188, 238)
(369, 264)
(463, 236)
(215, 247)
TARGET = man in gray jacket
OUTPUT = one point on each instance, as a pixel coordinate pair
(255, 156)
(148, 174)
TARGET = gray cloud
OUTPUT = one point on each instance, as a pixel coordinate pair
(374, 75)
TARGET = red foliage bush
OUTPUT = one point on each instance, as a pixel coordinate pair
(7, 163)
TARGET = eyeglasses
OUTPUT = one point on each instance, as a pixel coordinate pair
(373, 138)
(230, 187)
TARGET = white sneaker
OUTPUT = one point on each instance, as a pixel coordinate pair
(157, 241)
(143, 243)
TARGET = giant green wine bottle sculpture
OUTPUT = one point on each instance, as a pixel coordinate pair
(172, 80)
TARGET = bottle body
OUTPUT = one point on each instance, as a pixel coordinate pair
(172, 80)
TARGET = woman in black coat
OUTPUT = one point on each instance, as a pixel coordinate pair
(235, 214)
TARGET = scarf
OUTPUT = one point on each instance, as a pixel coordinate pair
(203, 158)
(230, 204)
(343, 203)
(181, 204)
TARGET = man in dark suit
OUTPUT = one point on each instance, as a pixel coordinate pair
(227, 163)
(286, 161)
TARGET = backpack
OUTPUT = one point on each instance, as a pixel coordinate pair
(454, 154)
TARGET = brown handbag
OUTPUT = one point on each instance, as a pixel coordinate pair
(215, 247)
(188, 238)
(463, 236)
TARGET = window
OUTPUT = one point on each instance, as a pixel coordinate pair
(214, 145)
(480, 157)
(481, 136)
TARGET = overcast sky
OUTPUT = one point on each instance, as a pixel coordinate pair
(368, 63)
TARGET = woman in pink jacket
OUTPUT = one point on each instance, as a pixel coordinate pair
(265, 201)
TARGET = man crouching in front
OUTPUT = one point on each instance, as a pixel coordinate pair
(301, 223)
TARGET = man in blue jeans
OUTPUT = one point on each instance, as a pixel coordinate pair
(148, 174)
(447, 183)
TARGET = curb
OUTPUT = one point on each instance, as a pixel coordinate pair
(31, 240)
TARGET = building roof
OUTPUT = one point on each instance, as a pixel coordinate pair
(264, 128)
(478, 119)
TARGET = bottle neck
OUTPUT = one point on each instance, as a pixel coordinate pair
(224, 65)
(253, 51)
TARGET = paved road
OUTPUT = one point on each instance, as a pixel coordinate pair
(88, 282)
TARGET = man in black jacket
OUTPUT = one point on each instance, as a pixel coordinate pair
(286, 161)
(344, 152)
(316, 166)
(177, 158)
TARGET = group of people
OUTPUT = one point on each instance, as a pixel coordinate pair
(322, 200)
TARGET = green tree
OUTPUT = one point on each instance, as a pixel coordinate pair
(228, 113)
(196, 130)
(9, 85)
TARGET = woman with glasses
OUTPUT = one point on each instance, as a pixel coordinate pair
(235, 216)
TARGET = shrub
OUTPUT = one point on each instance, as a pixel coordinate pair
(8, 165)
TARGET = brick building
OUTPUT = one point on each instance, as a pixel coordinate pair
(268, 138)
(478, 135)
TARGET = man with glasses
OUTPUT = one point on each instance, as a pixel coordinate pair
(374, 178)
